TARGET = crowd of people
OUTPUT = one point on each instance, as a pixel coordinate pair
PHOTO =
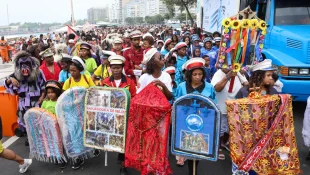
(178, 62)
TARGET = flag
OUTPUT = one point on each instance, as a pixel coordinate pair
(70, 30)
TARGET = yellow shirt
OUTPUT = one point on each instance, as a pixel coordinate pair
(91, 65)
(69, 83)
(106, 73)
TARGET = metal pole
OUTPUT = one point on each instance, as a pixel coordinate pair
(7, 11)
(72, 14)
(194, 167)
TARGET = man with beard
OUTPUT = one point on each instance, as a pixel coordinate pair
(134, 55)
(28, 82)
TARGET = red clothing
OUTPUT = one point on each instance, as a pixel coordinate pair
(125, 45)
(48, 75)
(117, 52)
(133, 57)
(126, 82)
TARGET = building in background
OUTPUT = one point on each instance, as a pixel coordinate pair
(97, 14)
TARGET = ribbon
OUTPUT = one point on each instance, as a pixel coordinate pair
(245, 42)
(261, 145)
(257, 52)
(247, 54)
(228, 45)
(231, 85)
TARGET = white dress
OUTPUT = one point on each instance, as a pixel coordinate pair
(306, 125)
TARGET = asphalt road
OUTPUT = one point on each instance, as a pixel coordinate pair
(96, 165)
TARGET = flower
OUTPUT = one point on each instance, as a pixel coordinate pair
(236, 67)
(224, 66)
(221, 61)
(245, 23)
(226, 22)
(264, 32)
(224, 44)
(253, 23)
(235, 24)
(223, 57)
(262, 25)
(226, 30)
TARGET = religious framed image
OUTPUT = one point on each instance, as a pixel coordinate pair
(195, 127)
(105, 122)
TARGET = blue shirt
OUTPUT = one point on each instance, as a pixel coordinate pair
(164, 52)
(179, 75)
(64, 75)
(211, 53)
(209, 73)
(208, 91)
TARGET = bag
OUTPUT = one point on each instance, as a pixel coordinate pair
(0, 128)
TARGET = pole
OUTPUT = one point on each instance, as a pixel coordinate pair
(194, 167)
(7, 11)
(72, 14)
(186, 18)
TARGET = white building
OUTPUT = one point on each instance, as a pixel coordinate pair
(142, 8)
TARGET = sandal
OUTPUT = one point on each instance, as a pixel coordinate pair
(221, 155)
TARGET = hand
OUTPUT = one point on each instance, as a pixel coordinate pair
(40, 101)
(159, 83)
(14, 82)
(138, 67)
(231, 74)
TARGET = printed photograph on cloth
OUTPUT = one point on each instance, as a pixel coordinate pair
(106, 118)
(195, 127)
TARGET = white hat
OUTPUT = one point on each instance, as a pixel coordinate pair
(170, 70)
(147, 34)
(148, 55)
(194, 63)
(217, 39)
(264, 65)
(80, 61)
(117, 41)
(135, 34)
(106, 54)
(116, 59)
(71, 41)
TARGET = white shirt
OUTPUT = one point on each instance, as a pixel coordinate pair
(224, 94)
(118, 82)
(146, 79)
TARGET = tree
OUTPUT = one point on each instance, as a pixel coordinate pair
(182, 16)
(129, 20)
(184, 4)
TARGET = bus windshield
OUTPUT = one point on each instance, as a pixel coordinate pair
(292, 12)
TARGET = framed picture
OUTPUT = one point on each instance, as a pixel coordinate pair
(105, 123)
(195, 127)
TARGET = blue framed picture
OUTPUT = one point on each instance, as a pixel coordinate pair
(195, 127)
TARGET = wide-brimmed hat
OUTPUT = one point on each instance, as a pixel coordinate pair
(194, 63)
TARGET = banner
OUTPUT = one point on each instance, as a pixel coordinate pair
(105, 121)
(214, 11)
(195, 127)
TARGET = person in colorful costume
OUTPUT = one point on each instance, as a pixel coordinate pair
(28, 82)
(195, 84)
(49, 68)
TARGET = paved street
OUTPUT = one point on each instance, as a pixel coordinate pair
(96, 165)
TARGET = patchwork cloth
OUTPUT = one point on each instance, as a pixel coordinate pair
(250, 122)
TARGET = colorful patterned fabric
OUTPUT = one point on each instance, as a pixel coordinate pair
(147, 132)
(44, 136)
(250, 120)
(70, 116)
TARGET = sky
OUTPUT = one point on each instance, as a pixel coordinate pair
(46, 11)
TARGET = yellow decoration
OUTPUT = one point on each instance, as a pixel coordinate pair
(264, 32)
(226, 22)
(226, 30)
(236, 67)
(224, 44)
(262, 25)
(235, 24)
(224, 66)
(223, 57)
(261, 46)
(245, 23)
(253, 23)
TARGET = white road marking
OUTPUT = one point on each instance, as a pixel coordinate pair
(10, 141)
